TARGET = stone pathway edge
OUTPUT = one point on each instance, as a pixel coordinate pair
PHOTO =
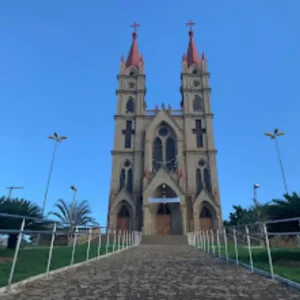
(16, 286)
(263, 273)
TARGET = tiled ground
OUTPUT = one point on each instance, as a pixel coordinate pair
(156, 272)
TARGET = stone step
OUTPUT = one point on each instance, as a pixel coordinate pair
(164, 240)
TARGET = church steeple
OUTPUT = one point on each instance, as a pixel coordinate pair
(192, 56)
(133, 58)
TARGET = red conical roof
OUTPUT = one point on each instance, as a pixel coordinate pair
(192, 56)
(133, 58)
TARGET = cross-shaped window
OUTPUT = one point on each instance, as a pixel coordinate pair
(199, 131)
(128, 131)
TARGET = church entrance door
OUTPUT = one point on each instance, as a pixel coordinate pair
(123, 219)
(163, 219)
(206, 219)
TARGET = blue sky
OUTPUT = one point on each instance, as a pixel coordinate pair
(58, 67)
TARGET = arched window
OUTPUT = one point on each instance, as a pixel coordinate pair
(170, 154)
(122, 179)
(198, 104)
(165, 147)
(199, 185)
(207, 180)
(132, 72)
(130, 181)
(205, 213)
(195, 71)
(157, 154)
(130, 106)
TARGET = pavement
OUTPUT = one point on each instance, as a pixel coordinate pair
(157, 272)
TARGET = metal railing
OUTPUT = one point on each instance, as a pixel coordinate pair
(59, 248)
(271, 248)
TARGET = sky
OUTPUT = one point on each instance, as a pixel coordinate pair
(58, 67)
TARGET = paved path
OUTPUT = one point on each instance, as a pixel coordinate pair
(156, 272)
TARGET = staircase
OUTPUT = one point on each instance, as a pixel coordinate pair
(164, 240)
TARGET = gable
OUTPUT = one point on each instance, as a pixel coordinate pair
(203, 196)
(162, 177)
(162, 116)
(122, 195)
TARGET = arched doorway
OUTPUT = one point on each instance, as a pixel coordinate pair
(123, 219)
(206, 219)
(163, 219)
(167, 211)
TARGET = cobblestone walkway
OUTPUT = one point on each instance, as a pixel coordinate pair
(156, 272)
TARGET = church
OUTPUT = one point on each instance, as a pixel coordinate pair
(164, 174)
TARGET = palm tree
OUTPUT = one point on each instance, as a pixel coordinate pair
(286, 208)
(22, 208)
(72, 214)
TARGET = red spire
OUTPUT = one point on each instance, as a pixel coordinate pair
(192, 56)
(203, 58)
(133, 58)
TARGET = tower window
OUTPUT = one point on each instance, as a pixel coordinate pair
(132, 72)
(195, 71)
(198, 104)
(201, 163)
(126, 163)
(130, 105)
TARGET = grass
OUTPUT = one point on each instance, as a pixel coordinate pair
(286, 261)
(33, 261)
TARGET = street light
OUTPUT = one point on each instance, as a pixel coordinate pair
(57, 140)
(274, 136)
(74, 189)
(255, 187)
(10, 188)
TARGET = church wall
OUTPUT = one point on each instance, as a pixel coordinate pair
(179, 121)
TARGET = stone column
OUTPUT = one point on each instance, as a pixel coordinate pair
(147, 224)
(148, 155)
(184, 217)
(112, 221)
(196, 220)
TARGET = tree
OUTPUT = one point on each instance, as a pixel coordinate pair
(73, 214)
(257, 212)
(237, 217)
(288, 207)
(22, 208)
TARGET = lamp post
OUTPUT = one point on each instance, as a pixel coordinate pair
(274, 136)
(258, 212)
(255, 187)
(56, 139)
(11, 188)
(74, 189)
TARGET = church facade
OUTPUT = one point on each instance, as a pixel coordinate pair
(164, 172)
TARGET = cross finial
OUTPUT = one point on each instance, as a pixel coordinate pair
(191, 24)
(135, 26)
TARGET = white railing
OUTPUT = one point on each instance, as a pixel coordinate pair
(263, 247)
(98, 242)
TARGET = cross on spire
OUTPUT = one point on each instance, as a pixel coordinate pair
(135, 26)
(191, 24)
